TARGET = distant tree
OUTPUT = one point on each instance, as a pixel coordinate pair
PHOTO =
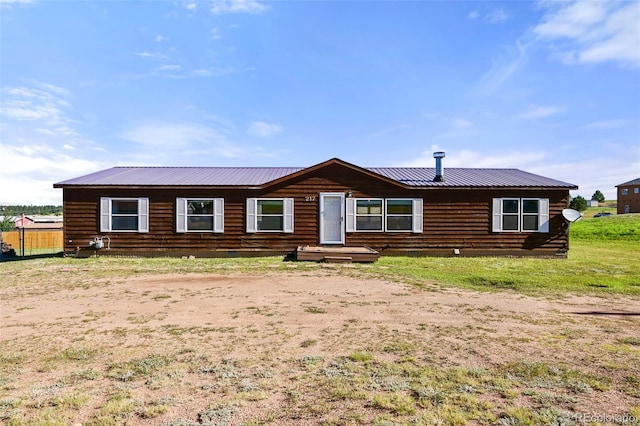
(598, 196)
(578, 203)
(17, 210)
(7, 225)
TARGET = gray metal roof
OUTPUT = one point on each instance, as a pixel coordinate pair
(255, 176)
(631, 182)
(183, 176)
(464, 177)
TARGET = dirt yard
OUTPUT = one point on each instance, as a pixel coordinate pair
(312, 346)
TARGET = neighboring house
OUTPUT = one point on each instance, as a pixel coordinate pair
(34, 222)
(234, 211)
(629, 197)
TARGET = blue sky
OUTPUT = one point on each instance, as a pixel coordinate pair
(548, 87)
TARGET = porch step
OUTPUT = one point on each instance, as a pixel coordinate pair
(336, 254)
(338, 259)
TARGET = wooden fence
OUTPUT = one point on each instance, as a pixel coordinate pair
(35, 241)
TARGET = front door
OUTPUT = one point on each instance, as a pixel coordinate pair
(332, 218)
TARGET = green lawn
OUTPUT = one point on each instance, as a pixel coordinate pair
(592, 267)
(603, 258)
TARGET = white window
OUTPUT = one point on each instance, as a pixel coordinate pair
(270, 215)
(520, 215)
(369, 214)
(378, 214)
(624, 191)
(636, 190)
(199, 215)
(124, 214)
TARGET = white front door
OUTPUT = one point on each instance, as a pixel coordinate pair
(332, 218)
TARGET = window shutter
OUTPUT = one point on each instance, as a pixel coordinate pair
(497, 215)
(143, 215)
(181, 215)
(417, 215)
(251, 215)
(218, 215)
(105, 214)
(288, 215)
(543, 215)
(351, 215)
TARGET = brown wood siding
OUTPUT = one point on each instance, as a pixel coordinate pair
(632, 199)
(453, 218)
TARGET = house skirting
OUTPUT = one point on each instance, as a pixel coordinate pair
(232, 253)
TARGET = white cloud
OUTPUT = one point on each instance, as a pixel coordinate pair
(478, 159)
(168, 67)
(535, 112)
(31, 104)
(502, 69)
(607, 124)
(263, 129)
(151, 55)
(180, 139)
(38, 136)
(614, 166)
(8, 4)
(611, 171)
(29, 172)
(593, 31)
(202, 73)
(461, 123)
(161, 38)
(238, 6)
(495, 16)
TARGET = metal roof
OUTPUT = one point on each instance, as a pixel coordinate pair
(255, 176)
(631, 182)
(465, 177)
(183, 176)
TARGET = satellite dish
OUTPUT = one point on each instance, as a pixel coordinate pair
(571, 215)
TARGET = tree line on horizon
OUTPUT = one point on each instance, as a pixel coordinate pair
(17, 210)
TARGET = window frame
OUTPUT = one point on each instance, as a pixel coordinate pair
(542, 215)
(287, 216)
(380, 215)
(624, 191)
(182, 215)
(106, 214)
(416, 215)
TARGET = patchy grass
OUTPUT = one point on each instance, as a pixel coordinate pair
(154, 369)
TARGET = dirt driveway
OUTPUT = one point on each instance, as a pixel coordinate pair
(311, 347)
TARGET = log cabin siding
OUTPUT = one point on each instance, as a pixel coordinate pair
(452, 219)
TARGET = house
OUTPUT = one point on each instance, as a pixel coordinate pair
(41, 222)
(629, 197)
(235, 211)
